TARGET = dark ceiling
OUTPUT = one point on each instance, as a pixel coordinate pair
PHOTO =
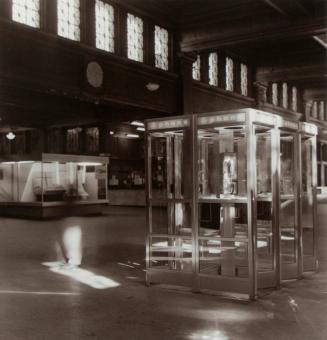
(285, 39)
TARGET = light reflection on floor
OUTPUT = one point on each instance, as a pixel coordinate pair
(36, 293)
(209, 335)
(82, 275)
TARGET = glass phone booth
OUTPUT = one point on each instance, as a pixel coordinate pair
(236, 201)
(223, 201)
(170, 205)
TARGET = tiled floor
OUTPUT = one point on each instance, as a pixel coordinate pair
(107, 298)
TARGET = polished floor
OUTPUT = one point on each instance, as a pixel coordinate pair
(106, 297)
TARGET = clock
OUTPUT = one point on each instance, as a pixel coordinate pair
(94, 74)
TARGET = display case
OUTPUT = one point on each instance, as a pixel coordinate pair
(51, 184)
(223, 201)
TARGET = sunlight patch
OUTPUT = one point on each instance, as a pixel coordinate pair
(81, 275)
(209, 335)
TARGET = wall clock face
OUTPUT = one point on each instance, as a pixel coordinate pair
(94, 74)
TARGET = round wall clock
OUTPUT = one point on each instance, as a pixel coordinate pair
(94, 74)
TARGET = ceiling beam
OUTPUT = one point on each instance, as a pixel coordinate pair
(288, 8)
(315, 94)
(276, 7)
(261, 31)
(304, 74)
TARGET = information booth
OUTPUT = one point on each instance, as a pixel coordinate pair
(223, 201)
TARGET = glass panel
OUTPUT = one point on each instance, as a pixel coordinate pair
(196, 69)
(287, 199)
(29, 181)
(171, 219)
(134, 38)
(213, 69)
(229, 74)
(161, 47)
(307, 197)
(168, 171)
(171, 253)
(68, 12)
(263, 161)
(7, 190)
(264, 199)
(223, 220)
(223, 257)
(160, 219)
(84, 181)
(244, 80)
(222, 162)
(104, 26)
(26, 12)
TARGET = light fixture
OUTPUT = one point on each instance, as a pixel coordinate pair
(89, 163)
(111, 133)
(137, 123)
(152, 86)
(10, 135)
(132, 135)
(140, 128)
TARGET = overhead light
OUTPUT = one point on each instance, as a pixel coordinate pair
(140, 128)
(89, 163)
(152, 86)
(111, 133)
(132, 135)
(321, 41)
(10, 135)
(137, 123)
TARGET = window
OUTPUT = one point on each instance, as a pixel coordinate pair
(285, 96)
(72, 140)
(229, 74)
(69, 19)
(92, 139)
(244, 80)
(322, 110)
(26, 12)
(314, 110)
(274, 93)
(161, 47)
(294, 98)
(213, 69)
(196, 69)
(104, 26)
(134, 38)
